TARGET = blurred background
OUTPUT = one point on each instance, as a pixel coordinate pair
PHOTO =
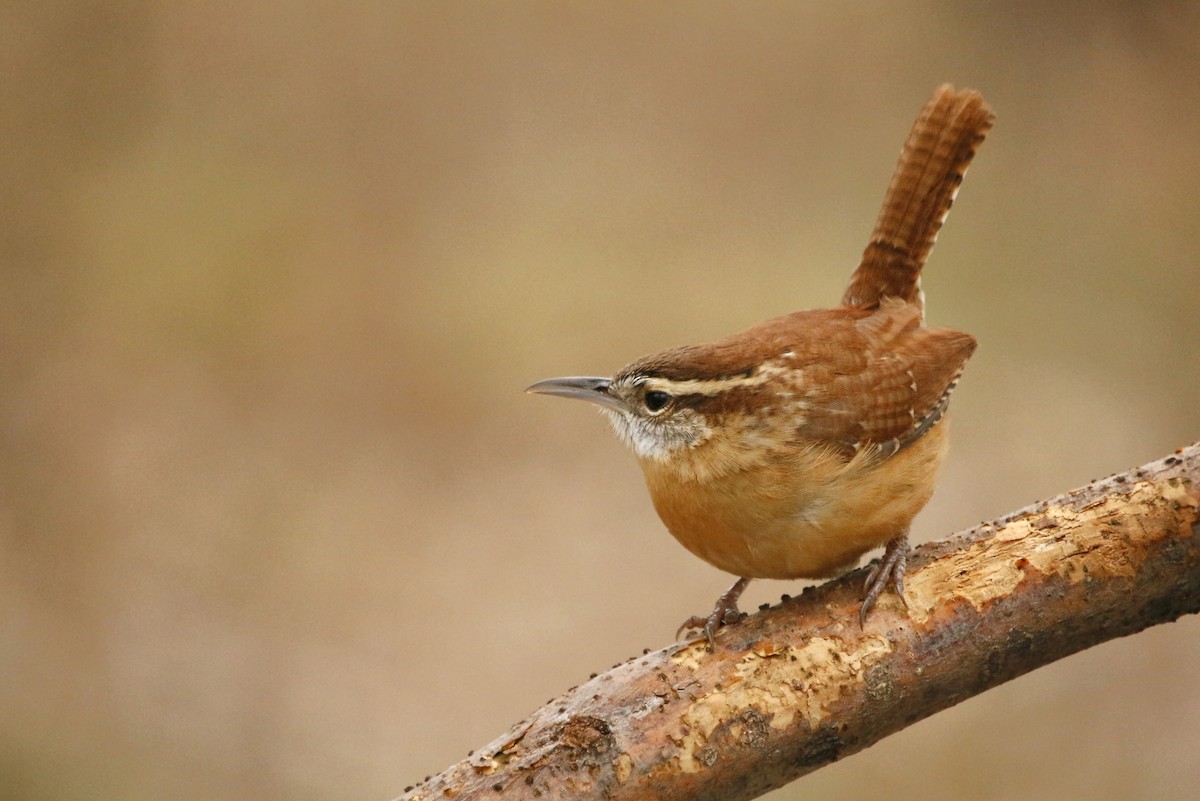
(276, 519)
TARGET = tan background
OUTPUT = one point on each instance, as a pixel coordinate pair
(276, 518)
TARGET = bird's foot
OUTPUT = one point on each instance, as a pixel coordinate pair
(724, 613)
(889, 570)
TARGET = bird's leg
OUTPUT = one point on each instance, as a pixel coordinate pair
(724, 613)
(890, 570)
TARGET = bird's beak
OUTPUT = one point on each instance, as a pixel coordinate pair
(588, 388)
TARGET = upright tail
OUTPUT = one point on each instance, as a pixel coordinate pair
(935, 157)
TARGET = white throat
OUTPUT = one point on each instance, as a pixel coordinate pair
(658, 438)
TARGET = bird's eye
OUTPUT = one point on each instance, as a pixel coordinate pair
(656, 400)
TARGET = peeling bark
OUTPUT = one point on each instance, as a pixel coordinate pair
(800, 685)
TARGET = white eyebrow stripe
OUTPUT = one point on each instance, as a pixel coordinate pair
(766, 372)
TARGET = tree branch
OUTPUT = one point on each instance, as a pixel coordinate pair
(800, 685)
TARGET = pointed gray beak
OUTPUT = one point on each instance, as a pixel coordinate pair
(588, 388)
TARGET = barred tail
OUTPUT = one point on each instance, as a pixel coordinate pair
(935, 157)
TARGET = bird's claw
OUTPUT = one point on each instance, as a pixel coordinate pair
(725, 612)
(720, 616)
(889, 570)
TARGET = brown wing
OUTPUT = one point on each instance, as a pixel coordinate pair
(889, 389)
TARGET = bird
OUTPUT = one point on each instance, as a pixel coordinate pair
(794, 447)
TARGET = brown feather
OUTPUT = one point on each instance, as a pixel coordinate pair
(934, 159)
(866, 378)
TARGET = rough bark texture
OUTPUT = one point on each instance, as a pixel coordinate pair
(800, 685)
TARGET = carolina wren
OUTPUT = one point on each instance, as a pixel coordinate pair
(794, 447)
